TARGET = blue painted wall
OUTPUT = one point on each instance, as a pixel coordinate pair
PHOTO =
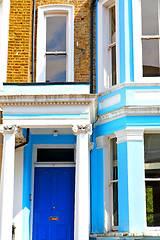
(97, 199)
(27, 172)
(131, 192)
(27, 178)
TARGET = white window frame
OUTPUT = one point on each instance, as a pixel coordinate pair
(148, 228)
(113, 228)
(137, 45)
(104, 58)
(53, 10)
(4, 29)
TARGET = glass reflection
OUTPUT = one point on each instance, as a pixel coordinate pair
(56, 68)
(150, 57)
(152, 203)
(112, 21)
(152, 148)
(56, 33)
(152, 173)
(150, 23)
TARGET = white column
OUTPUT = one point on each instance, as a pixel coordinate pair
(7, 182)
(82, 183)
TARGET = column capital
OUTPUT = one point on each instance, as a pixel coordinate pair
(10, 129)
(129, 135)
(77, 129)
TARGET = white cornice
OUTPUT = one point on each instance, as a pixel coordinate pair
(58, 99)
(129, 111)
(129, 135)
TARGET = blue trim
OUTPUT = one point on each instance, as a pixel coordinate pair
(84, 115)
(27, 178)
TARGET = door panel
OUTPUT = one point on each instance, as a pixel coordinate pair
(54, 198)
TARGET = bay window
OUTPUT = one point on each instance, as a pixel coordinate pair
(107, 44)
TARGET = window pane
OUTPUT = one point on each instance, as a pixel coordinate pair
(55, 155)
(56, 33)
(152, 155)
(55, 68)
(152, 148)
(150, 58)
(115, 204)
(152, 203)
(112, 21)
(113, 52)
(150, 24)
(152, 170)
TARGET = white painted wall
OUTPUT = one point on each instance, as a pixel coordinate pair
(18, 187)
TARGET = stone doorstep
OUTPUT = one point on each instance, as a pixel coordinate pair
(125, 236)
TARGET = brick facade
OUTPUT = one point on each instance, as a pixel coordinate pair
(20, 39)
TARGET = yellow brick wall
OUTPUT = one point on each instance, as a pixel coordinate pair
(20, 41)
(19, 45)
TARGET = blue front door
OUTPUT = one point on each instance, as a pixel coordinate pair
(53, 210)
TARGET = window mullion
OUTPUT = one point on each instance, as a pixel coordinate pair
(111, 45)
(152, 179)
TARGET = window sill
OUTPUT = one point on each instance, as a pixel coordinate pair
(148, 80)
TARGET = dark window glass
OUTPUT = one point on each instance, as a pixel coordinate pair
(150, 22)
(150, 57)
(115, 204)
(56, 33)
(114, 178)
(56, 68)
(152, 175)
(153, 203)
(113, 52)
(55, 155)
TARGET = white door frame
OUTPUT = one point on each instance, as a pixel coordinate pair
(35, 164)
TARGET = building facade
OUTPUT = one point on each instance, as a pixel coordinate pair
(80, 131)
